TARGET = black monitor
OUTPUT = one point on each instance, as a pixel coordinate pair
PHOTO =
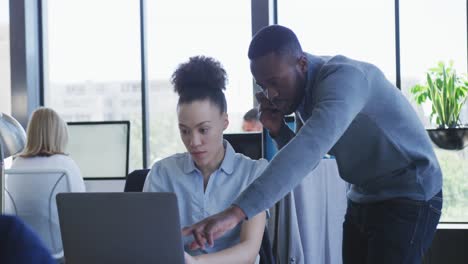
(101, 149)
(249, 144)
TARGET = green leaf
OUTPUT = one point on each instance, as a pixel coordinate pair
(421, 98)
(439, 84)
(447, 92)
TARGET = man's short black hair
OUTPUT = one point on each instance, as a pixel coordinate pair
(251, 115)
(278, 39)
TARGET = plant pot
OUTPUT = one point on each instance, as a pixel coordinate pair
(449, 138)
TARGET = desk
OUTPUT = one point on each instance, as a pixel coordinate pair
(311, 218)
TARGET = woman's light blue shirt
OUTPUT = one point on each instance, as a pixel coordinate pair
(179, 175)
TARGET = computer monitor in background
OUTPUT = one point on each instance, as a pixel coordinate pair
(101, 149)
(249, 144)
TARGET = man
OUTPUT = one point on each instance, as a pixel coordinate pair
(349, 110)
(251, 123)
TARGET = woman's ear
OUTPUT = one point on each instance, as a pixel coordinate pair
(225, 121)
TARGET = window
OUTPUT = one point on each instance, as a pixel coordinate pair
(5, 86)
(430, 31)
(93, 69)
(433, 31)
(362, 30)
(178, 30)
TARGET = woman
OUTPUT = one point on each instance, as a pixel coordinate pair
(210, 175)
(47, 138)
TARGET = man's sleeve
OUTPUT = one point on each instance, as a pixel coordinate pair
(341, 95)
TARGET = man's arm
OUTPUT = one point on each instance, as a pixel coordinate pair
(247, 249)
(284, 136)
(273, 120)
(285, 133)
(341, 96)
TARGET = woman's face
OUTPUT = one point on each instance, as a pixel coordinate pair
(201, 126)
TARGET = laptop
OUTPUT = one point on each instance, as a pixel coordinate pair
(120, 228)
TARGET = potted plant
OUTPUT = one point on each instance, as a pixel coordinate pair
(447, 92)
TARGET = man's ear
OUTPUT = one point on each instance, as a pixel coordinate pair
(303, 63)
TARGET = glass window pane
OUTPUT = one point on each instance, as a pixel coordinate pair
(5, 86)
(220, 29)
(425, 41)
(94, 70)
(5, 83)
(433, 31)
(362, 29)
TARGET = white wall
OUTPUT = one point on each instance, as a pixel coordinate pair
(105, 185)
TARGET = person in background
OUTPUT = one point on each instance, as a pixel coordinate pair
(47, 138)
(251, 123)
(19, 244)
(46, 142)
(350, 110)
(210, 175)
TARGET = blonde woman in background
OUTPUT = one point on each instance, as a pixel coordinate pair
(47, 138)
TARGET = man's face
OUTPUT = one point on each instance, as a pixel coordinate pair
(282, 79)
(252, 126)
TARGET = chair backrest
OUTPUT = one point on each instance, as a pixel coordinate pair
(136, 180)
(30, 194)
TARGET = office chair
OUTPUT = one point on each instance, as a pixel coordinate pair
(136, 180)
(30, 195)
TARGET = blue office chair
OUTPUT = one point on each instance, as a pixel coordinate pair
(136, 180)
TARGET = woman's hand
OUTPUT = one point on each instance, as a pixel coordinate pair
(189, 259)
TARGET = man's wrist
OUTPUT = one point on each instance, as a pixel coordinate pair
(238, 213)
(275, 134)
